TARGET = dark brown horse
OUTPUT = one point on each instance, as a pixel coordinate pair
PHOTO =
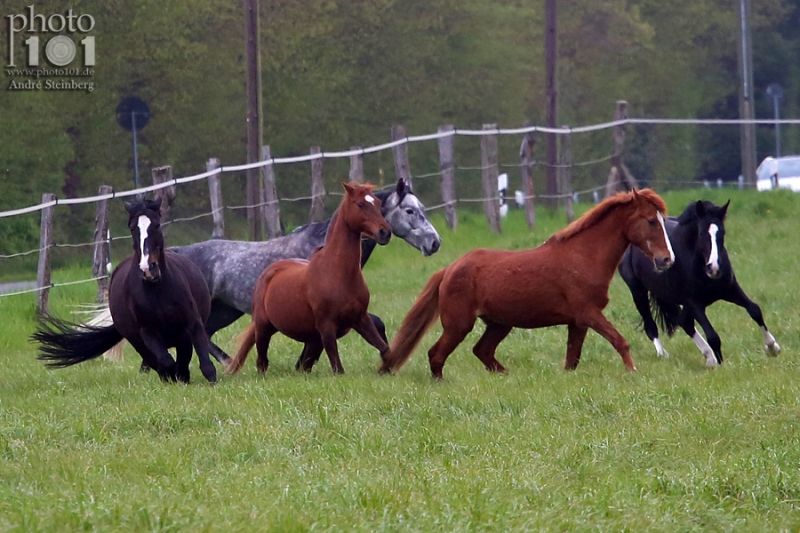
(158, 300)
(564, 281)
(319, 300)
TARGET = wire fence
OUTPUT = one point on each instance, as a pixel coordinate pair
(592, 191)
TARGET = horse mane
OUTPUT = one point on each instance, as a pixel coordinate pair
(598, 212)
(314, 229)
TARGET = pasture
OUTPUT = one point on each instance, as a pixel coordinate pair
(674, 447)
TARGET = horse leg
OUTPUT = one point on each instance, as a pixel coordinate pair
(687, 324)
(221, 316)
(312, 350)
(309, 357)
(149, 361)
(642, 303)
(714, 342)
(327, 332)
(367, 329)
(263, 336)
(457, 322)
(601, 325)
(487, 345)
(183, 355)
(575, 337)
(380, 326)
(738, 297)
(155, 355)
(201, 346)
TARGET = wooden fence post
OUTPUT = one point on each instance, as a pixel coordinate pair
(447, 169)
(215, 195)
(400, 152)
(167, 194)
(565, 175)
(356, 166)
(101, 245)
(317, 188)
(43, 271)
(270, 209)
(619, 177)
(526, 168)
(489, 173)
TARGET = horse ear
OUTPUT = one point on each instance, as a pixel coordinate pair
(700, 209)
(406, 186)
(725, 208)
(129, 207)
(347, 187)
(157, 202)
(401, 187)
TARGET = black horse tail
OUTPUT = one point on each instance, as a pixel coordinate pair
(65, 344)
(666, 314)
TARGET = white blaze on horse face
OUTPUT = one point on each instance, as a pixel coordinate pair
(370, 199)
(713, 257)
(143, 223)
(666, 237)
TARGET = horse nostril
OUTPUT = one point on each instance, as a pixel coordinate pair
(435, 247)
(384, 235)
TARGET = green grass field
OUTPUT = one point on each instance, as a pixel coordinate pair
(674, 447)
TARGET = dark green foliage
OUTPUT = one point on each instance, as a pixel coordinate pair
(339, 74)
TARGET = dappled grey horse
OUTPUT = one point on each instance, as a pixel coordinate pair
(231, 268)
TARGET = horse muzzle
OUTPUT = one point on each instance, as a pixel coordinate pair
(662, 263)
(430, 248)
(152, 274)
(383, 236)
(713, 272)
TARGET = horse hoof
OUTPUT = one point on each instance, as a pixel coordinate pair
(711, 363)
(384, 370)
(772, 349)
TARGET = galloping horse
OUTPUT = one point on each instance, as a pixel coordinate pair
(158, 300)
(563, 281)
(231, 268)
(702, 275)
(319, 300)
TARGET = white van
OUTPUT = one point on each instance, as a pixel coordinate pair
(780, 172)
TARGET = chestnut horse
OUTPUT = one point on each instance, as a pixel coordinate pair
(563, 281)
(319, 300)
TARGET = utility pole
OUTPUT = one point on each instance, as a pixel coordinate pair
(747, 132)
(254, 143)
(551, 96)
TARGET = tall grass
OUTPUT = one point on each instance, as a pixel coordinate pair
(674, 447)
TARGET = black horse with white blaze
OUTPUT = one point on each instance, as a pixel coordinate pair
(701, 275)
(158, 300)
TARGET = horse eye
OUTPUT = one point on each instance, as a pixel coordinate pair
(409, 211)
(360, 204)
(652, 222)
